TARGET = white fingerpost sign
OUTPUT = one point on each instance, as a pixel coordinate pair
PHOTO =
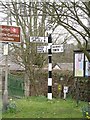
(42, 49)
(57, 48)
(37, 39)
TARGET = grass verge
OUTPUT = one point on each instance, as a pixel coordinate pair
(40, 107)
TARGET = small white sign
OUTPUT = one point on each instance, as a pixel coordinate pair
(39, 39)
(5, 49)
(57, 48)
(65, 90)
(41, 49)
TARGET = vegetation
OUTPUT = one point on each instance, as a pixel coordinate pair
(40, 107)
(16, 85)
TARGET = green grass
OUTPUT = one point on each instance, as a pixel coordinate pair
(40, 107)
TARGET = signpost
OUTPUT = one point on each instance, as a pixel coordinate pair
(48, 49)
(9, 33)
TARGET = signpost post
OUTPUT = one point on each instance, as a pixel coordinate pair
(8, 34)
(50, 67)
(5, 95)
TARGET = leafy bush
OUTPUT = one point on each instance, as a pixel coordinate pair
(86, 111)
(11, 106)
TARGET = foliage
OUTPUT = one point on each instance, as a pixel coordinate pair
(86, 111)
(11, 106)
(41, 84)
(66, 74)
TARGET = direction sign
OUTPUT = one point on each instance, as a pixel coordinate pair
(55, 49)
(41, 49)
(39, 39)
(9, 33)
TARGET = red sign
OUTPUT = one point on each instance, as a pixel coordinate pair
(9, 33)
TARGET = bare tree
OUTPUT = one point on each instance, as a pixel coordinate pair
(24, 14)
(73, 16)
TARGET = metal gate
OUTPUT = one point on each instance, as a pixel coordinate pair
(15, 85)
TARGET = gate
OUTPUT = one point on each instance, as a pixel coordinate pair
(15, 85)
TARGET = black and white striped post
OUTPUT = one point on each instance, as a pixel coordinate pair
(49, 67)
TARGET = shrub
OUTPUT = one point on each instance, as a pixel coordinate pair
(11, 106)
(86, 111)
